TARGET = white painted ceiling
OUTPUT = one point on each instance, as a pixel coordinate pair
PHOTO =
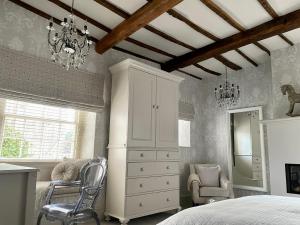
(249, 13)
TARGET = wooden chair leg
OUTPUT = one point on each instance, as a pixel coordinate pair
(39, 218)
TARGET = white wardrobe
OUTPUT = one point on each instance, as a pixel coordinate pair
(143, 169)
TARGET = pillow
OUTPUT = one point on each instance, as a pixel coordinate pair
(65, 171)
(209, 176)
(78, 163)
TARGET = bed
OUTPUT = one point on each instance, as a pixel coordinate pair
(251, 210)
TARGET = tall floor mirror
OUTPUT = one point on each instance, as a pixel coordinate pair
(247, 165)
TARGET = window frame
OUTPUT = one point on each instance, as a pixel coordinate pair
(33, 160)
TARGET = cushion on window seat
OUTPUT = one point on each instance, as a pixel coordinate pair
(65, 171)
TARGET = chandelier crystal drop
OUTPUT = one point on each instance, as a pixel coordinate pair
(70, 46)
(228, 94)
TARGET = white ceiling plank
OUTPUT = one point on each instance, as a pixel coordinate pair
(255, 53)
(214, 65)
(129, 6)
(249, 13)
(283, 7)
(274, 43)
(136, 49)
(236, 58)
(158, 42)
(180, 31)
(293, 35)
(198, 13)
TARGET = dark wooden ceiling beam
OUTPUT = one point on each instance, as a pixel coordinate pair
(137, 20)
(227, 18)
(276, 26)
(204, 32)
(126, 15)
(266, 5)
(57, 21)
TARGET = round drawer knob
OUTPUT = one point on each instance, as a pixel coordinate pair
(142, 169)
(142, 155)
(168, 155)
(141, 185)
(141, 204)
(167, 167)
(168, 182)
(167, 199)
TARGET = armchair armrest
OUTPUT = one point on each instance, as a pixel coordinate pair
(59, 183)
(225, 183)
(193, 178)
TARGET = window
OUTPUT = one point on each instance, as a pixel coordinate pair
(184, 130)
(35, 131)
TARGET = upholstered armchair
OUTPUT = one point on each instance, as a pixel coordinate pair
(208, 183)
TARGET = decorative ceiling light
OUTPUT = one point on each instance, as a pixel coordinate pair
(71, 46)
(227, 94)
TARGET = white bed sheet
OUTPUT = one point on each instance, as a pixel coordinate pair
(251, 210)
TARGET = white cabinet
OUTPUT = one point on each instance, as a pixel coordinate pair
(17, 194)
(143, 168)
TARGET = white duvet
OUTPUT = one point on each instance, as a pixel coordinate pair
(252, 210)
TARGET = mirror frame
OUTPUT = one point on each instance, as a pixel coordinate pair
(264, 188)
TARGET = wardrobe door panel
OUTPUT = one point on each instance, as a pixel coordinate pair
(167, 113)
(141, 127)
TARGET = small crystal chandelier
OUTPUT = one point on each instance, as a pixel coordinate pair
(71, 46)
(227, 94)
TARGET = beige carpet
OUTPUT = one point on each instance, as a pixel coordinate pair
(147, 220)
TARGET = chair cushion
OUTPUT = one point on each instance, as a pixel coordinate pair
(213, 192)
(209, 176)
(65, 171)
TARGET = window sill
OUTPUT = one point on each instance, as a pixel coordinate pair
(2, 160)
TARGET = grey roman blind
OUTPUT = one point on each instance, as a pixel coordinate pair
(186, 110)
(27, 77)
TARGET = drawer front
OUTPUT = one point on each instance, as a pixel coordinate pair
(141, 155)
(168, 168)
(141, 169)
(140, 185)
(136, 205)
(166, 155)
(169, 198)
(152, 168)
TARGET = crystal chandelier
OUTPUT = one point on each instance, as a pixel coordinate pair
(227, 94)
(70, 46)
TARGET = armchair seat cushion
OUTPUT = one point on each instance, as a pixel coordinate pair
(214, 192)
